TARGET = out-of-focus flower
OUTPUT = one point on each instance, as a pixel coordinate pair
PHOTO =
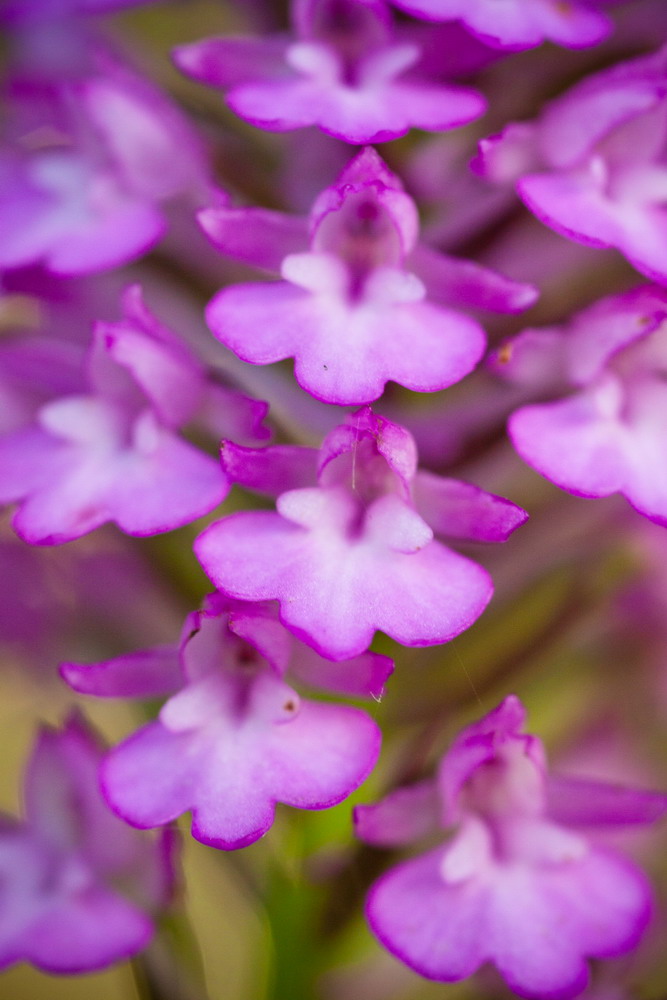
(607, 436)
(34, 369)
(94, 158)
(593, 166)
(520, 24)
(345, 68)
(113, 455)
(361, 301)
(351, 547)
(79, 888)
(520, 884)
(234, 738)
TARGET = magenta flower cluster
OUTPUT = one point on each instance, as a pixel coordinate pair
(118, 420)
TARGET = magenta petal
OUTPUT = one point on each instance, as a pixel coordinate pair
(393, 442)
(227, 413)
(55, 209)
(575, 206)
(266, 635)
(147, 674)
(269, 470)
(460, 510)
(29, 459)
(588, 112)
(23, 868)
(362, 675)
(170, 378)
(87, 931)
(579, 802)
(589, 342)
(401, 817)
(255, 235)
(644, 240)
(465, 284)
(433, 108)
(223, 62)
(359, 115)
(519, 25)
(125, 229)
(65, 809)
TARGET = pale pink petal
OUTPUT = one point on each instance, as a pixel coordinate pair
(600, 332)
(646, 421)
(121, 229)
(576, 26)
(156, 152)
(338, 595)
(362, 675)
(148, 779)
(146, 674)
(320, 757)
(71, 504)
(256, 236)
(518, 24)
(261, 323)
(575, 205)
(644, 240)
(345, 354)
(580, 802)
(536, 358)
(434, 108)
(359, 115)
(269, 470)
(29, 459)
(232, 778)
